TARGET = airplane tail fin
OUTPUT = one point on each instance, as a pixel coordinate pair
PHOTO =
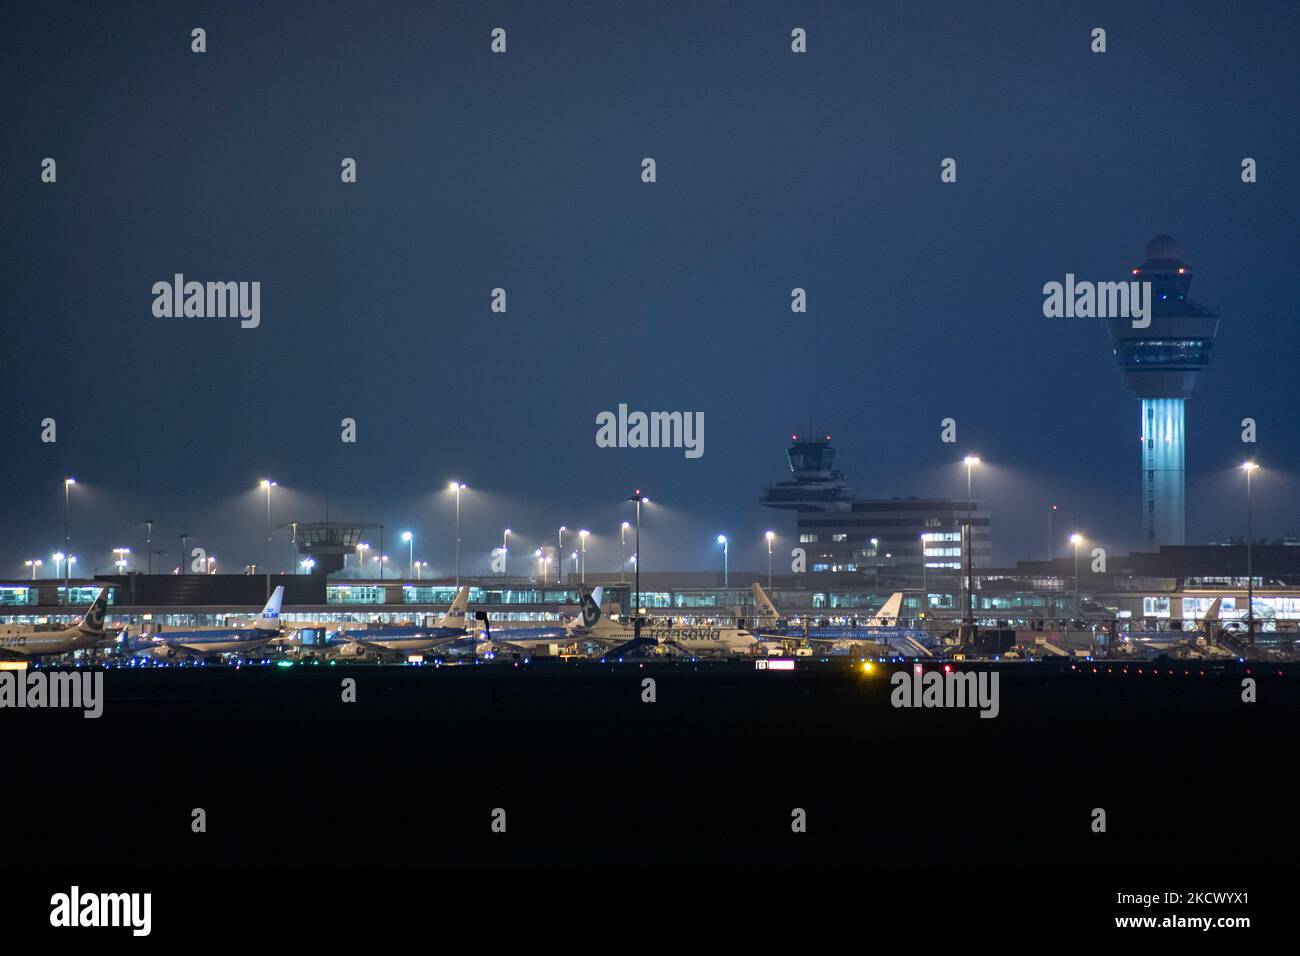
(93, 622)
(767, 612)
(591, 606)
(887, 616)
(1212, 612)
(271, 613)
(455, 616)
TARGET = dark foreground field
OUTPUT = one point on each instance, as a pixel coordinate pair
(710, 773)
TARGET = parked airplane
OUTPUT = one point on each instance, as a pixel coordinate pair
(1152, 644)
(25, 641)
(882, 628)
(588, 628)
(202, 641)
(527, 638)
(344, 641)
(615, 637)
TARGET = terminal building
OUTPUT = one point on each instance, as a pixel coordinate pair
(1165, 589)
(889, 538)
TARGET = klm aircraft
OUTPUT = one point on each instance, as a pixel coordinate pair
(529, 638)
(615, 638)
(354, 641)
(202, 641)
(882, 628)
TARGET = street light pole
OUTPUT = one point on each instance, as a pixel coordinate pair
(457, 487)
(582, 536)
(722, 540)
(925, 589)
(636, 609)
(559, 556)
(770, 535)
(148, 523)
(67, 537)
(622, 544)
(1248, 468)
(1074, 540)
(970, 461)
(505, 551)
(268, 484)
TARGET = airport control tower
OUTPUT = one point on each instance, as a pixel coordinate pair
(1162, 365)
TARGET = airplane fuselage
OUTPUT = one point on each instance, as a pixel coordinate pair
(529, 636)
(344, 642)
(22, 642)
(410, 638)
(695, 638)
(880, 635)
(216, 640)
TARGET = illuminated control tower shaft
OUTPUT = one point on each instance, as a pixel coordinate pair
(1162, 365)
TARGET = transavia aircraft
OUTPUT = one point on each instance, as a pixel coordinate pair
(615, 638)
(343, 641)
(200, 641)
(23, 641)
(883, 628)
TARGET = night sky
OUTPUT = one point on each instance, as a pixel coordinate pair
(522, 170)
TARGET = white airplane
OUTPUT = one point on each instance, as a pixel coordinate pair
(615, 637)
(344, 641)
(1153, 643)
(25, 641)
(767, 615)
(200, 641)
(881, 628)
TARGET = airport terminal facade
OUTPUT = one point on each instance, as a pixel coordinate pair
(1149, 590)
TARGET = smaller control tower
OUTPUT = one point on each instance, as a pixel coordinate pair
(327, 542)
